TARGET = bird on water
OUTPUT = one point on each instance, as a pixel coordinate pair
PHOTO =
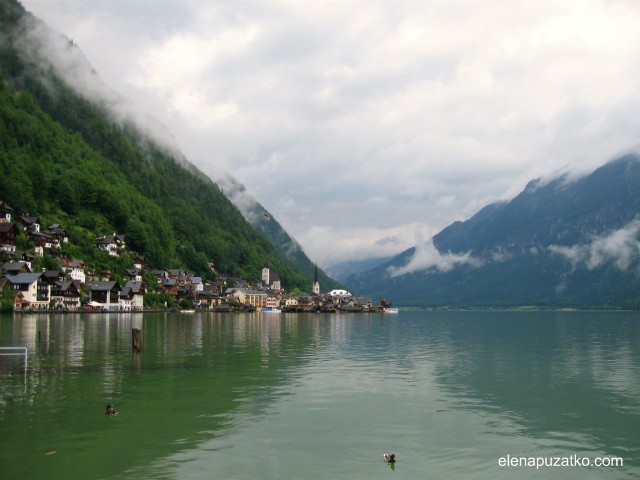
(390, 457)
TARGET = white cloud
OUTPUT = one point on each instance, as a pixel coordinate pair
(620, 248)
(364, 119)
(428, 257)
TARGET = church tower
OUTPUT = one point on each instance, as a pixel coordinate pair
(265, 273)
(316, 283)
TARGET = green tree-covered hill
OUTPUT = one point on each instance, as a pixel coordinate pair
(67, 159)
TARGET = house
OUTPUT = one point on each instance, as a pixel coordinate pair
(74, 268)
(140, 262)
(58, 234)
(132, 296)
(208, 299)
(26, 257)
(181, 276)
(291, 302)
(212, 287)
(364, 302)
(14, 268)
(65, 295)
(31, 290)
(198, 286)
(112, 244)
(30, 224)
(5, 212)
(52, 276)
(43, 241)
(168, 285)
(8, 235)
(248, 296)
(272, 302)
(305, 302)
(135, 274)
(104, 294)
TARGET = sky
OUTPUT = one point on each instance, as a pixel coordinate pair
(365, 127)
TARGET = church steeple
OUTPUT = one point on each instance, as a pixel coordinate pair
(316, 283)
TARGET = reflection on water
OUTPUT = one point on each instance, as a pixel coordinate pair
(319, 396)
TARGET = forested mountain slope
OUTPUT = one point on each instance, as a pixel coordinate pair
(69, 158)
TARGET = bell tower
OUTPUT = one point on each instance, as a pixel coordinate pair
(316, 283)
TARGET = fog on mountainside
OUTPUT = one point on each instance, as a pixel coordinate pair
(120, 171)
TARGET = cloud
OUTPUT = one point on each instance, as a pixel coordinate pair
(428, 257)
(366, 119)
(52, 50)
(620, 248)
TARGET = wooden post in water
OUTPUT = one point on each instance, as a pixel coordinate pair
(136, 339)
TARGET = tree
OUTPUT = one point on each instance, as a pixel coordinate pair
(6, 299)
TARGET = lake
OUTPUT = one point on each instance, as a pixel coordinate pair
(314, 396)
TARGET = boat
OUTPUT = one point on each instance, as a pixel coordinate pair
(187, 311)
(390, 310)
(270, 310)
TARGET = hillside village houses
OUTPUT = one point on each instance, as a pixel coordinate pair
(75, 287)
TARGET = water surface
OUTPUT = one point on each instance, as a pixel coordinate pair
(265, 396)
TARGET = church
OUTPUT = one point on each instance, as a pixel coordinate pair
(269, 278)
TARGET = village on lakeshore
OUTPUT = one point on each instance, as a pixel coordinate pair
(75, 287)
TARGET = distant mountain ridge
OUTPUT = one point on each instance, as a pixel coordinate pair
(564, 243)
(266, 223)
(343, 270)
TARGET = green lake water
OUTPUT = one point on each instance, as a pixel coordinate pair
(267, 396)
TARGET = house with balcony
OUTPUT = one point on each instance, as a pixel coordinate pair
(31, 290)
(105, 295)
(65, 295)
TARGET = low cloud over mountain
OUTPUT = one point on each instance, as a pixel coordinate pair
(564, 241)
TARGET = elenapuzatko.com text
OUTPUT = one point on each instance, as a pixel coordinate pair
(568, 461)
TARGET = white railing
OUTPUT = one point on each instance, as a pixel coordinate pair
(12, 351)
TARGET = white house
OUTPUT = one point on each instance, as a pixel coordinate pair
(132, 296)
(197, 283)
(105, 294)
(75, 269)
(31, 290)
(112, 244)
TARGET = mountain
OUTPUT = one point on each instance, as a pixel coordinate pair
(76, 153)
(562, 243)
(266, 223)
(343, 270)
